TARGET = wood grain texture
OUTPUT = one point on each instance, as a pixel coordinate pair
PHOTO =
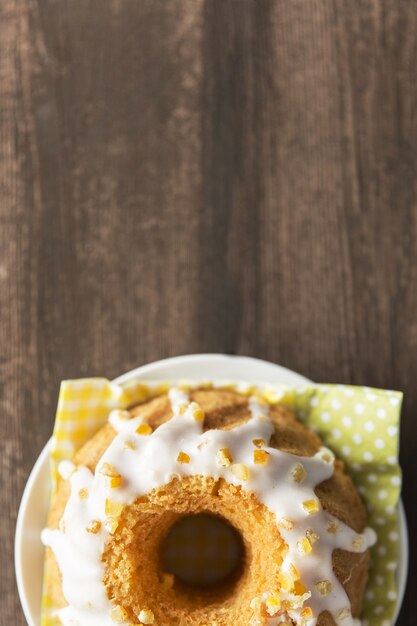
(183, 176)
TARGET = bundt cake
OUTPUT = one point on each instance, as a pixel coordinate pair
(295, 519)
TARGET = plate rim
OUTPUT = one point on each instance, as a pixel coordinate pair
(146, 371)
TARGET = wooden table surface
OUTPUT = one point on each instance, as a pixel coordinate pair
(180, 176)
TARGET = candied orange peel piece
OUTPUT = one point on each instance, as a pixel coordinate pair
(240, 471)
(307, 613)
(273, 604)
(196, 411)
(332, 527)
(260, 457)
(311, 506)
(94, 527)
(112, 507)
(182, 409)
(324, 587)
(183, 457)
(224, 457)
(111, 524)
(119, 614)
(298, 473)
(299, 589)
(146, 616)
(287, 579)
(116, 481)
(285, 523)
(108, 470)
(312, 536)
(304, 546)
(144, 429)
(358, 542)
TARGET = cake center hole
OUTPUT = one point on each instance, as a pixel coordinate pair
(203, 551)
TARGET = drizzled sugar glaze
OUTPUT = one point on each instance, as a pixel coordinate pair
(285, 484)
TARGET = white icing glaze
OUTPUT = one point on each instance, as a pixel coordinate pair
(152, 462)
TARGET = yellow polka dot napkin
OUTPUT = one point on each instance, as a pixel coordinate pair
(360, 424)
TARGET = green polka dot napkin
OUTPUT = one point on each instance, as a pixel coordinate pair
(361, 425)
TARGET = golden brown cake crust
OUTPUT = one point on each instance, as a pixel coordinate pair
(134, 547)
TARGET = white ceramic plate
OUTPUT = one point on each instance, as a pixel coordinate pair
(34, 506)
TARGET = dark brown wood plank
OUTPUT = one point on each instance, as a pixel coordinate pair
(196, 176)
